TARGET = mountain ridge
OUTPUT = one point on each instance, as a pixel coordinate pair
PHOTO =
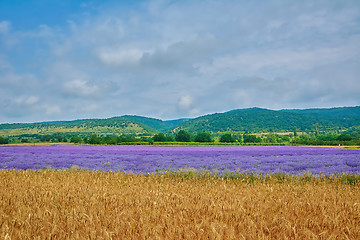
(247, 120)
(261, 119)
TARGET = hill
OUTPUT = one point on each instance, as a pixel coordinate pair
(249, 120)
(156, 124)
(264, 120)
(115, 125)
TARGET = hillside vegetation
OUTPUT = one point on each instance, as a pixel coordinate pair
(157, 124)
(255, 120)
(325, 125)
(115, 125)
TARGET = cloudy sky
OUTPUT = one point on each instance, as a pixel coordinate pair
(65, 59)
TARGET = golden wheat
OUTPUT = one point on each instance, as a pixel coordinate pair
(107, 205)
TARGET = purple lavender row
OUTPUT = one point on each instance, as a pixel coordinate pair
(147, 159)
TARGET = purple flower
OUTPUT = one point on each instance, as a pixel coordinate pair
(148, 159)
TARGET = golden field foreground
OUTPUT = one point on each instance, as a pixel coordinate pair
(81, 204)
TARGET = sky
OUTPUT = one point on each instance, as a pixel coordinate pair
(66, 59)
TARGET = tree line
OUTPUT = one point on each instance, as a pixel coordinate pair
(351, 138)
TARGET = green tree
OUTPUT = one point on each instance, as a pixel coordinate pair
(295, 132)
(25, 140)
(126, 138)
(45, 138)
(227, 138)
(344, 137)
(169, 138)
(160, 137)
(94, 139)
(183, 136)
(327, 137)
(203, 137)
(251, 139)
(75, 139)
(110, 140)
(271, 138)
(316, 129)
(284, 138)
(3, 140)
(60, 138)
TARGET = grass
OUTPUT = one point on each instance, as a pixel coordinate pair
(78, 204)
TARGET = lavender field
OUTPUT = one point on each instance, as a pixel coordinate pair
(147, 159)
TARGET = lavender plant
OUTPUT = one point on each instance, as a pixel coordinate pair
(147, 159)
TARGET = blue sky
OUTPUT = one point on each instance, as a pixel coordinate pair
(64, 60)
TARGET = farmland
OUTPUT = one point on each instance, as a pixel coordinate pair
(246, 126)
(141, 192)
(81, 204)
(150, 159)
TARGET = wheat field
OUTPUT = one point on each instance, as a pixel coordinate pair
(80, 204)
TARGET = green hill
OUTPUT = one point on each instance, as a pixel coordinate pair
(156, 124)
(342, 116)
(264, 120)
(250, 120)
(115, 125)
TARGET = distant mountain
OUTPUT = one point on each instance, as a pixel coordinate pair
(348, 113)
(115, 125)
(264, 120)
(249, 120)
(174, 123)
(156, 124)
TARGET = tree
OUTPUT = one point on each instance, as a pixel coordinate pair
(169, 138)
(284, 138)
(182, 136)
(110, 140)
(295, 132)
(160, 137)
(60, 138)
(94, 139)
(45, 138)
(316, 129)
(75, 139)
(271, 138)
(126, 138)
(251, 139)
(25, 140)
(227, 138)
(203, 137)
(3, 140)
(344, 137)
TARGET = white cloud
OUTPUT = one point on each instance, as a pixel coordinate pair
(29, 101)
(32, 100)
(3, 62)
(121, 56)
(51, 110)
(185, 102)
(177, 59)
(91, 107)
(4, 27)
(252, 63)
(81, 88)
(274, 24)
